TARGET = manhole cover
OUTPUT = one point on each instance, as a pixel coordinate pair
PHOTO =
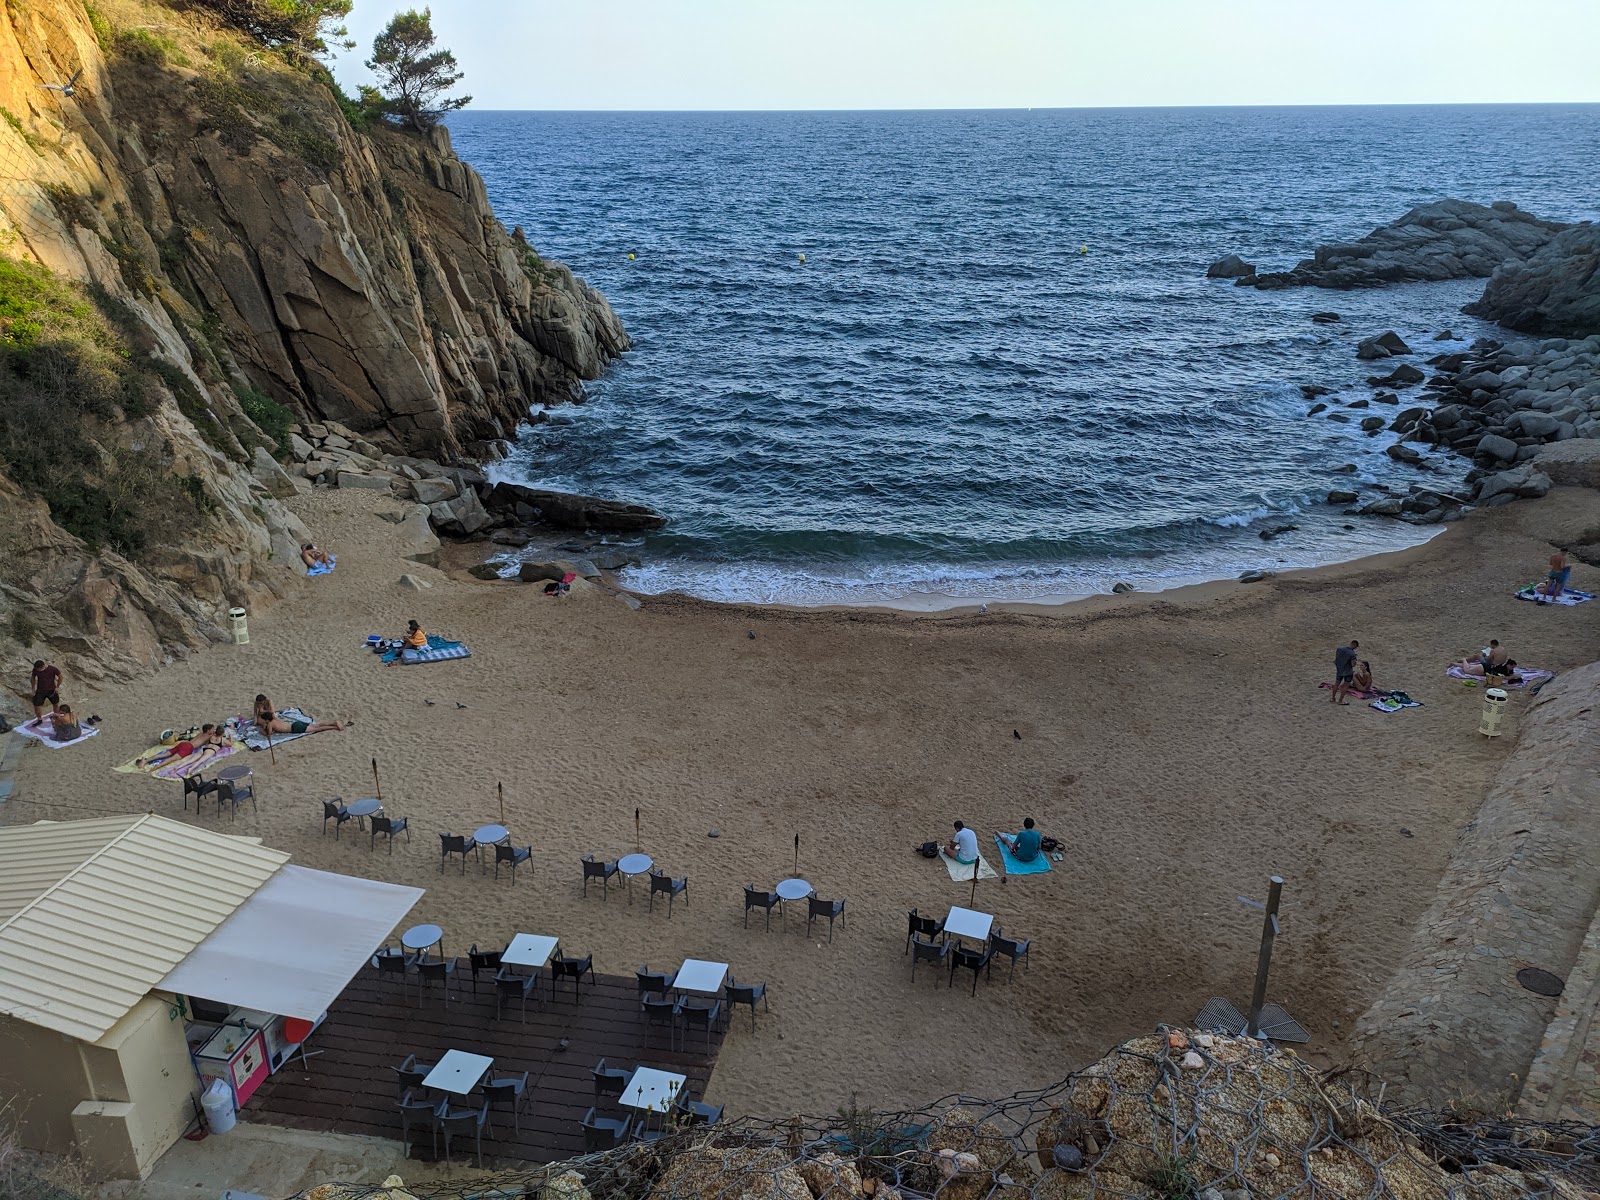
(1540, 982)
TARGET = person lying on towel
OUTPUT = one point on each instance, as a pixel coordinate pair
(209, 735)
(1024, 846)
(415, 639)
(963, 845)
(313, 557)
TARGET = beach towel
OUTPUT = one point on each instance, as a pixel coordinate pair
(1569, 596)
(322, 568)
(1391, 704)
(962, 872)
(39, 731)
(1529, 675)
(176, 768)
(439, 650)
(1038, 866)
(244, 729)
(1354, 691)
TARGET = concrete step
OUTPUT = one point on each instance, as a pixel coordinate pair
(1563, 1082)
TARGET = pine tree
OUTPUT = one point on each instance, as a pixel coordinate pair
(412, 75)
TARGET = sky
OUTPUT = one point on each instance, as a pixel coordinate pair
(872, 54)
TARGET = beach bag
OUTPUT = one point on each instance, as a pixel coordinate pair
(1049, 845)
(929, 849)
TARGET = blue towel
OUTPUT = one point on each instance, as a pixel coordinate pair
(1038, 866)
(320, 569)
(439, 650)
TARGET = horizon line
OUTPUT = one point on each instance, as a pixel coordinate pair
(1073, 107)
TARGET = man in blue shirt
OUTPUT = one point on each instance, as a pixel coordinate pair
(1344, 671)
(1024, 846)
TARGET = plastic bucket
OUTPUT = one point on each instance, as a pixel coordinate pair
(241, 626)
(217, 1101)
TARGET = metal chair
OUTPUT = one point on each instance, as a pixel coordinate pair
(697, 1112)
(602, 870)
(609, 1082)
(450, 843)
(388, 827)
(510, 986)
(652, 981)
(924, 927)
(975, 961)
(458, 1122)
(509, 1091)
(199, 789)
(921, 951)
(832, 909)
(572, 968)
(1012, 948)
(440, 970)
(411, 1073)
(672, 887)
(233, 795)
(746, 993)
(704, 1014)
(512, 855)
(482, 960)
(335, 811)
(411, 1106)
(659, 1010)
(393, 962)
(603, 1133)
(755, 897)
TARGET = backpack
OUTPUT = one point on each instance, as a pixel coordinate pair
(929, 849)
(1049, 845)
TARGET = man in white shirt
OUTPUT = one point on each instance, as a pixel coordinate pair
(963, 845)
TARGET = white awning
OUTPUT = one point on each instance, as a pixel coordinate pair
(294, 945)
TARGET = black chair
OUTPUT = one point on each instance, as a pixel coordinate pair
(458, 1122)
(672, 887)
(602, 870)
(411, 1073)
(921, 951)
(609, 1082)
(755, 897)
(199, 789)
(832, 909)
(335, 811)
(1012, 948)
(450, 843)
(513, 855)
(746, 993)
(435, 970)
(482, 960)
(975, 961)
(652, 981)
(923, 927)
(704, 1014)
(571, 968)
(511, 986)
(388, 827)
(233, 795)
(511, 1092)
(412, 1105)
(603, 1133)
(393, 962)
(697, 1112)
(659, 1010)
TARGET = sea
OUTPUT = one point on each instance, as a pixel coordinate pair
(936, 358)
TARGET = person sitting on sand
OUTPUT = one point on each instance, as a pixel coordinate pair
(963, 845)
(209, 735)
(1024, 845)
(64, 726)
(1506, 670)
(268, 721)
(415, 639)
(1362, 677)
(312, 557)
(1494, 658)
(1556, 581)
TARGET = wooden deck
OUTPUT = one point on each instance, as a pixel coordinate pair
(350, 1087)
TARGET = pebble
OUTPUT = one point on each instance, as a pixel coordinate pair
(1067, 1157)
(1273, 1161)
(1406, 832)
(715, 833)
(1192, 1062)
(1205, 1040)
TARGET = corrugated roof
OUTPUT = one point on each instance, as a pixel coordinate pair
(93, 914)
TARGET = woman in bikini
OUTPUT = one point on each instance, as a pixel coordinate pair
(268, 721)
(209, 735)
(1362, 677)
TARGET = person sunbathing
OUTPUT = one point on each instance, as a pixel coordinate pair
(312, 557)
(1024, 845)
(64, 726)
(1362, 678)
(415, 638)
(269, 722)
(1478, 669)
(209, 735)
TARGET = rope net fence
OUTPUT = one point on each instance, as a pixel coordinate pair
(1166, 1117)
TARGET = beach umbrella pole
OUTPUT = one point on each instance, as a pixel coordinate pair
(636, 829)
(500, 789)
(272, 755)
(797, 855)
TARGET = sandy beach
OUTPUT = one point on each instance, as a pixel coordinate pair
(1177, 744)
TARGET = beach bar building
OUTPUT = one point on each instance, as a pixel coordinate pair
(114, 932)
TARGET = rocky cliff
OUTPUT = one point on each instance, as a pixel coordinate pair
(1554, 293)
(259, 253)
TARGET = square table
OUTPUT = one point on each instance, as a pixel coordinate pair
(698, 975)
(967, 923)
(652, 1090)
(529, 950)
(458, 1072)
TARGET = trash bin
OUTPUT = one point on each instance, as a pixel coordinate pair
(1494, 708)
(217, 1101)
(241, 626)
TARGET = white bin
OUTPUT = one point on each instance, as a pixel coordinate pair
(217, 1101)
(241, 626)
(1494, 709)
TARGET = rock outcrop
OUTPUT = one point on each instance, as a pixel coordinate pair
(1554, 292)
(1449, 239)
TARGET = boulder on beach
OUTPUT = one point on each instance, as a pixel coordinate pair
(1402, 376)
(1402, 453)
(1492, 445)
(1554, 292)
(1276, 530)
(1339, 496)
(1230, 267)
(1326, 318)
(1384, 345)
(568, 511)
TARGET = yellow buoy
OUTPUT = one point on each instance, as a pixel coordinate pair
(802, 258)
(630, 256)
(1081, 250)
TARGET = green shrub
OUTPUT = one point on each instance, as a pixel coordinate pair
(272, 418)
(148, 48)
(15, 122)
(300, 28)
(74, 207)
(101, 27)
(23, 629)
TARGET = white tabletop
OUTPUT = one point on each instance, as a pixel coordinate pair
(793, 889)
(698, 975)
(458, 1072)
(967, 923)
(529, 950)
(365, 808)
(420, 937)
(651, 1089)
(634, 864)
(488, 835)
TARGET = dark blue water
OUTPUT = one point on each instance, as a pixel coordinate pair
(999, 370)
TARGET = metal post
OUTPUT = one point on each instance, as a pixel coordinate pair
(376, 786)
(797, 855)
(1269, 930)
